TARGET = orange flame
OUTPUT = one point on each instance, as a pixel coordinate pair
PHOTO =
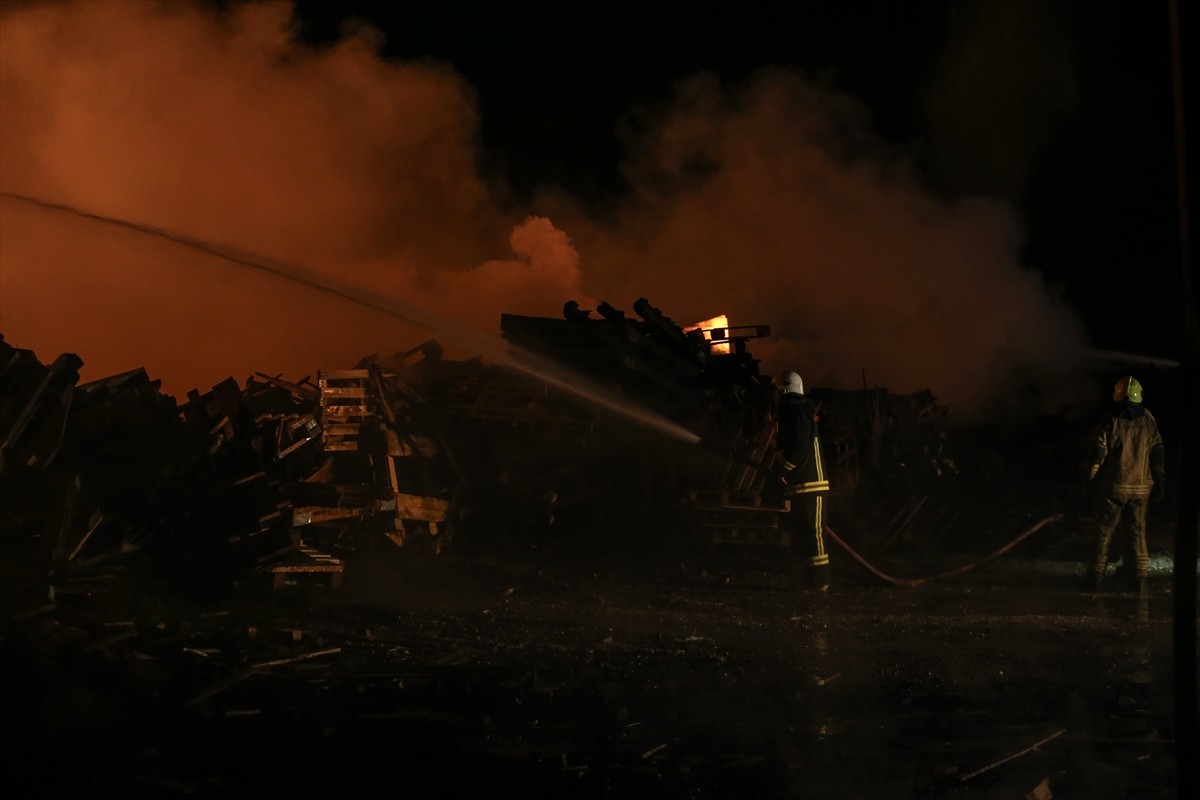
(707, 326)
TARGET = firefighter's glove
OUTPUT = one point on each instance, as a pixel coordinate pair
(780, 470)
(779, 476)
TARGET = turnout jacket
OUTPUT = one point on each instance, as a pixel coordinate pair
(798, 446)
(1127, 456)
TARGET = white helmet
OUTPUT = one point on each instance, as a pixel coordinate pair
(791, 383)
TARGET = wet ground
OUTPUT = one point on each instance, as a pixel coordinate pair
(532, 673)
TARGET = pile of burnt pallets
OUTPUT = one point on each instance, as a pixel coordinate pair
(130, 478)
(633, 431)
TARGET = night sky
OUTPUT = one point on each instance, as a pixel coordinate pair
(967, 197)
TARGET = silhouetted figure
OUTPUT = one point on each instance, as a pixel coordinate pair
(798, 452)
(1127, 469)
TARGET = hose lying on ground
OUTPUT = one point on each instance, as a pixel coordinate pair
(949, 573)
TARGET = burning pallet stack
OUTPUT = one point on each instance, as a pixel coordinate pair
(640, 430)
(702, 379)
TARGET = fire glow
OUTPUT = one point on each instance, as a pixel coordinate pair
(709, 327)
(184, 116)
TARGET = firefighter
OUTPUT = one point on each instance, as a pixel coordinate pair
(1125, 471)
(802, 473)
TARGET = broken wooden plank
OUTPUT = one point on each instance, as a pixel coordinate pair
(417, 507)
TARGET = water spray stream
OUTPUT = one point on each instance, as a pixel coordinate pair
(1132, 358)
(510, 355)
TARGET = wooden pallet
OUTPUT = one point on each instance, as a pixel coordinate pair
(347, 407)
(307, 562)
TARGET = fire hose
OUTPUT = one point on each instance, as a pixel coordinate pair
(731, 454)
(948, 573)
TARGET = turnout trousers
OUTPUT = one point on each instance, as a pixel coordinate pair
(806, 523)
(1128, 515)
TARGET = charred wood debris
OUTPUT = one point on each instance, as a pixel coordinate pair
(114, 491)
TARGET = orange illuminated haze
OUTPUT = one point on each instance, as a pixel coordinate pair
(228, 130)
(719, 322)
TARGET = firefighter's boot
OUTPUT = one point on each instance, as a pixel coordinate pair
(818, 578)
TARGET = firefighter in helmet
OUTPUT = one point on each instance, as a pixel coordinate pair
(1126, 470)
(802, 472)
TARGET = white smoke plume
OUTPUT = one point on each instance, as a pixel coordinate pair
(770, 202)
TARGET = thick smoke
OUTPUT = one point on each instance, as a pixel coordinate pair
(770, 202)
(773, 204)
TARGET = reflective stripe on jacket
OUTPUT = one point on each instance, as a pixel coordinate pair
(799, 446)
(817, 481)
(1128, 452)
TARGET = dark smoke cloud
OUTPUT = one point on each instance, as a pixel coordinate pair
(770, 202)
(773, 203)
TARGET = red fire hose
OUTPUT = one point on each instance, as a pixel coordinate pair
(949, 573)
